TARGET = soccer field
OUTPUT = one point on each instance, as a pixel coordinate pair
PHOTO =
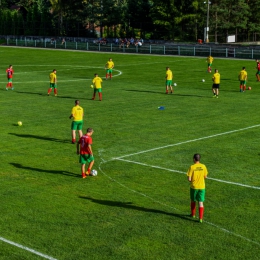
(138, 205)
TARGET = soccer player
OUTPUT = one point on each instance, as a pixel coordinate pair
(258, 70)
(209, 61)
(216, 82)
(53, 83)
(242, 77)
(97, 87)
(109, 68)
(168, 77)
(77, 114)
(197, 174)
(9, 73)
(84, 149)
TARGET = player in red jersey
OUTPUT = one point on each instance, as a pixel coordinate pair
(258, 70)
(9, 73)
(84, 149)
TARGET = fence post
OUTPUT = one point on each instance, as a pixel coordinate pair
(99, 47)
(87, 46)
(252, 56)
(150, 49)
(45, 43)
(234, 53)
(136, 48)
(164, 49)
(24, 41)
(179, 50)
(226, 53)
(35, 43)
(210, 51)
(194, 51)
(65, 45)
(15, 40)
(55, 44)
(76, 45)
(111, 47)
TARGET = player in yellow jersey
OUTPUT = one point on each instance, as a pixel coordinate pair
(109, 68)
(97, 87)
(77, 114)
(242, 77)
(197, 174)
(216, 83)
(209, 61)
(53, 82)
(168, 77)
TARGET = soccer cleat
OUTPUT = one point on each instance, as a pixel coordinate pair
(73, 142)
(214, 96)
(83, 177)
(13, 88)
(192, 216)
(200, 220)
(55, 95)
(6, 88)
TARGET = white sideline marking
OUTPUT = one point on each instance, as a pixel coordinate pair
(168, 206)
(189, 141)
(27, 248)
(170, 170)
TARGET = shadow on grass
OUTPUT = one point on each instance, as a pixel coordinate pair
(163, 93)
(45, 94)
(71, 174)
(40, 137)
(129, 205)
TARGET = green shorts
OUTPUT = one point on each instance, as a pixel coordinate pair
(242, 82)
(76, 125)
(53, 85)
(168, 82)
(258, 72)
(99, 90)
(86, 158)
(197, 195)
(209, 64)
(109, 70)
(10, 80)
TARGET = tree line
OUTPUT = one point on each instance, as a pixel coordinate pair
(179, 20)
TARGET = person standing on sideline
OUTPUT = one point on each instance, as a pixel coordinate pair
(197, 174)
(216, 82)
(77, 114)
(242, 77)
(109, 68)
(97, 87)
(258, 70)
(168, 77)
(84, 149)
(53, 83)
(9, 73)
(209, 61)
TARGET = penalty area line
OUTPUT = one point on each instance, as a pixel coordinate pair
(170, 170)
(188, 141)
(27, 249)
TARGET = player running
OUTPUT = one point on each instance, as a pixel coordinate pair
(242, 77)
(53, 83)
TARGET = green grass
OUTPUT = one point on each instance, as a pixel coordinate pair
(138, 205)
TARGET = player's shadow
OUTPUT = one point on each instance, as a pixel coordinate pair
(41, 138)
(33, 169)
(129, 205)
(145, 91)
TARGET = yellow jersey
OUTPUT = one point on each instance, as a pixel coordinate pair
(110, 65)
(97, 82)
(169, 75)
(197, 172)
(242, 75)
(210, 59)
(216, 78)
(53, 78)
(77, 113)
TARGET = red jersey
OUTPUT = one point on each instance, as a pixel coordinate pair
(9, 73)
(84, 142)
(258, 66)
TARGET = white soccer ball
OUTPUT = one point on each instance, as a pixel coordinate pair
(203, 80)
(93, 172)
(19, 123)
(174, 84)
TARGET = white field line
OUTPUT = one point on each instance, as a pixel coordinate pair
(27, 249)
(170, 170)
(171, 207)
(185, 142)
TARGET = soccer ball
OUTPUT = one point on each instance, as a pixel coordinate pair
(91, 86)
(174, 84)
(93, 173)
(19, 123)
(203, 80)
(249, 88)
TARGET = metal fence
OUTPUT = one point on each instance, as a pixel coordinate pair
(244, 52)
